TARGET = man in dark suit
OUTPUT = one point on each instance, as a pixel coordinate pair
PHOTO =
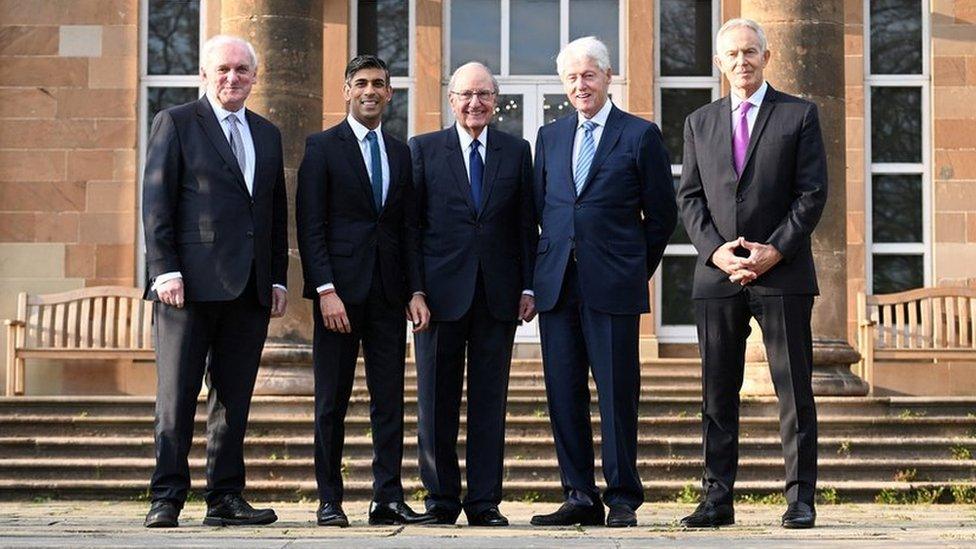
(215, 216)
(473, 213)
(606, 201)
(753, 186)
(351, 235)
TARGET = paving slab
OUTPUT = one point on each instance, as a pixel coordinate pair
(119, 524)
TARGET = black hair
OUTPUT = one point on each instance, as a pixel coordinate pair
(361, 62)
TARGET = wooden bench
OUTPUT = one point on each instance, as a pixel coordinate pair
(926, 324)
(99, 323)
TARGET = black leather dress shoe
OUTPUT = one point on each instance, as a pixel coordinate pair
(442, 516)
(232, 510)
(799, 515)
(569, 514)
(489, 517)
(163, 514)
(331, 514)
(709, 515)
(621, 516)
(396, 512)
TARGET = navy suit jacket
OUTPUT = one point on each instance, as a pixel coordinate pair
(455, 240)
(777, 200)
(198, 215)
(341, 236)
(620, 223)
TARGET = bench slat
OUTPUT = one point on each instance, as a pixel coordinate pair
(98, 315)
(938, 340)
(147, 312)
(135, 322)
(121, 330)
(951, 322)
(71, 330)
(913, 340)
(110, 303)
(900, 326)
(86, 318)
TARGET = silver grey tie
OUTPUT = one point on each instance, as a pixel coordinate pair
(237, 143)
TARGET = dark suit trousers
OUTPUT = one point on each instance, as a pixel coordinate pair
(723, 326)
(381, 328)
(576, 338)
(440, 376)
(224, 340)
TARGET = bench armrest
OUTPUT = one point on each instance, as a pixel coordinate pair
(14, 322)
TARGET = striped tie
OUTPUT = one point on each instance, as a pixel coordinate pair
(585, 156)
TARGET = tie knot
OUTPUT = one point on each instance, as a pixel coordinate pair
(744, 108)
(589, 125)
(371, 136)
(232, 118)
(475, 145)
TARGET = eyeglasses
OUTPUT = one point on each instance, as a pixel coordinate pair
(482, 95)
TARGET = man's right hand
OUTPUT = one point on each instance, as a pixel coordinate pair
(724, 258)
(334, 313)
(171, 292)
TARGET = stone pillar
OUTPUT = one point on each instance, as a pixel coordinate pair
(287, 35)
(807, 43)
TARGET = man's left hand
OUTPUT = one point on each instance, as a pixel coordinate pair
(527, 308)
(762, 257)
(279, 302)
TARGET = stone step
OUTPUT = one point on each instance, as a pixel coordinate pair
(277, 490)
(260, 425)
(539, 447)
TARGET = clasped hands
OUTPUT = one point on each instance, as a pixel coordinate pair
(743, 270)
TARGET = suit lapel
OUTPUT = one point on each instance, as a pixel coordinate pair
(454, 158)
(258, 137)
(494, 158)
(354, 155)
(768, 104)
(611, 133)
(723, 133)
(211, 128)
(569, 134)
(394, 161)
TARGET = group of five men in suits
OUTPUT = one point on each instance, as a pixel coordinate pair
(446, 233)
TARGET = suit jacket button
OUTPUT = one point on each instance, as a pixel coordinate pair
(250, 234)
(579, 206)
(739, 199)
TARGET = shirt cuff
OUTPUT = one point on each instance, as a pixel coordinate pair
(280, 286)
(421, 294)
(324, 287)
(528, 292)
(165, 277)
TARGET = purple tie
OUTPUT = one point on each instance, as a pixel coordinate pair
(740, 142)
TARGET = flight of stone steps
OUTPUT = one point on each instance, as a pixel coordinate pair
(102, 447)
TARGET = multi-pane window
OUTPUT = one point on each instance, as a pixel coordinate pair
(523, 37)
(685, 80)
(382, 28)
(897, 153)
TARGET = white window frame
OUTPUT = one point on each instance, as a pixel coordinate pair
(147, 81)
(678, 333)
(923, 168)
(400, 84)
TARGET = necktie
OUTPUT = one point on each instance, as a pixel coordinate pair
(237, 143)
(477, 174)
(585, 156)
(376, 170)
(740, 142)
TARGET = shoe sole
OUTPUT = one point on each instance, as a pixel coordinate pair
(579, 523)
(341, 523)
(712, 525)
(161, 524)
(628, 524)
(219, 521)
(394, 522)
(798, 526)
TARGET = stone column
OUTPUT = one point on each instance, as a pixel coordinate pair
(287, 35)
(807, 44)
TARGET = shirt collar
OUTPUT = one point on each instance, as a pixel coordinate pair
(221, 113)
(756, 98)
(466, 138)
(361, 131)
(600, 118)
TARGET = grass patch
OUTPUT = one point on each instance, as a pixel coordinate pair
(828, 496)
(906, 475)
(776, 498)
(688, 494)
(844, 449)
(530, 497)
(960, 452)
(420, 494)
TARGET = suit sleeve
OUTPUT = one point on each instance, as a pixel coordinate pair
(657, 195)
(809, 189)
(160, 196)
(279, 224)
(693, 203)
(311, 215)
(415, 210)
(529, 227)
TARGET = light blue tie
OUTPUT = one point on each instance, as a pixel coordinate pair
(585, 156)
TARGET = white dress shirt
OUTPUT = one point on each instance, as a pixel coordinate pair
(249, 159)
(756, 99)
(600, 118)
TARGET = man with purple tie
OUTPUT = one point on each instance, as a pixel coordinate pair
(753, 186)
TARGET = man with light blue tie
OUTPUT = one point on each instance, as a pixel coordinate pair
(606, 215)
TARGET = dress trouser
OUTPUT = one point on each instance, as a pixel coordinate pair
(723, 327)
(575, 339)
(381, 329)
(441, 351)
(223, 339)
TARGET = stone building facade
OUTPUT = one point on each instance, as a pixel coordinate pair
(81, 79)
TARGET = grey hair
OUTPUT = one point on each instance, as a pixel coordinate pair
(742, 22)
(215, 42)
(494, 82)
(587, 46)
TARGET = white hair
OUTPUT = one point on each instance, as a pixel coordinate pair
(471, 64)
(742, 22)
(588, 47)
(219, 40)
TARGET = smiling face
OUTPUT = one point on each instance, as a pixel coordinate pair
(367, 93)
(741, 60)
(473, 98)
(586, 84)
(229, 73)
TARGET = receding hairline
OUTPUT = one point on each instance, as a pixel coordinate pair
(215, 42)
(742, 23)
(469, 66)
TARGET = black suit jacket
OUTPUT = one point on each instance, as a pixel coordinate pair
(777, 200)
(198, 216)
(456, 241)
(340, 233)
